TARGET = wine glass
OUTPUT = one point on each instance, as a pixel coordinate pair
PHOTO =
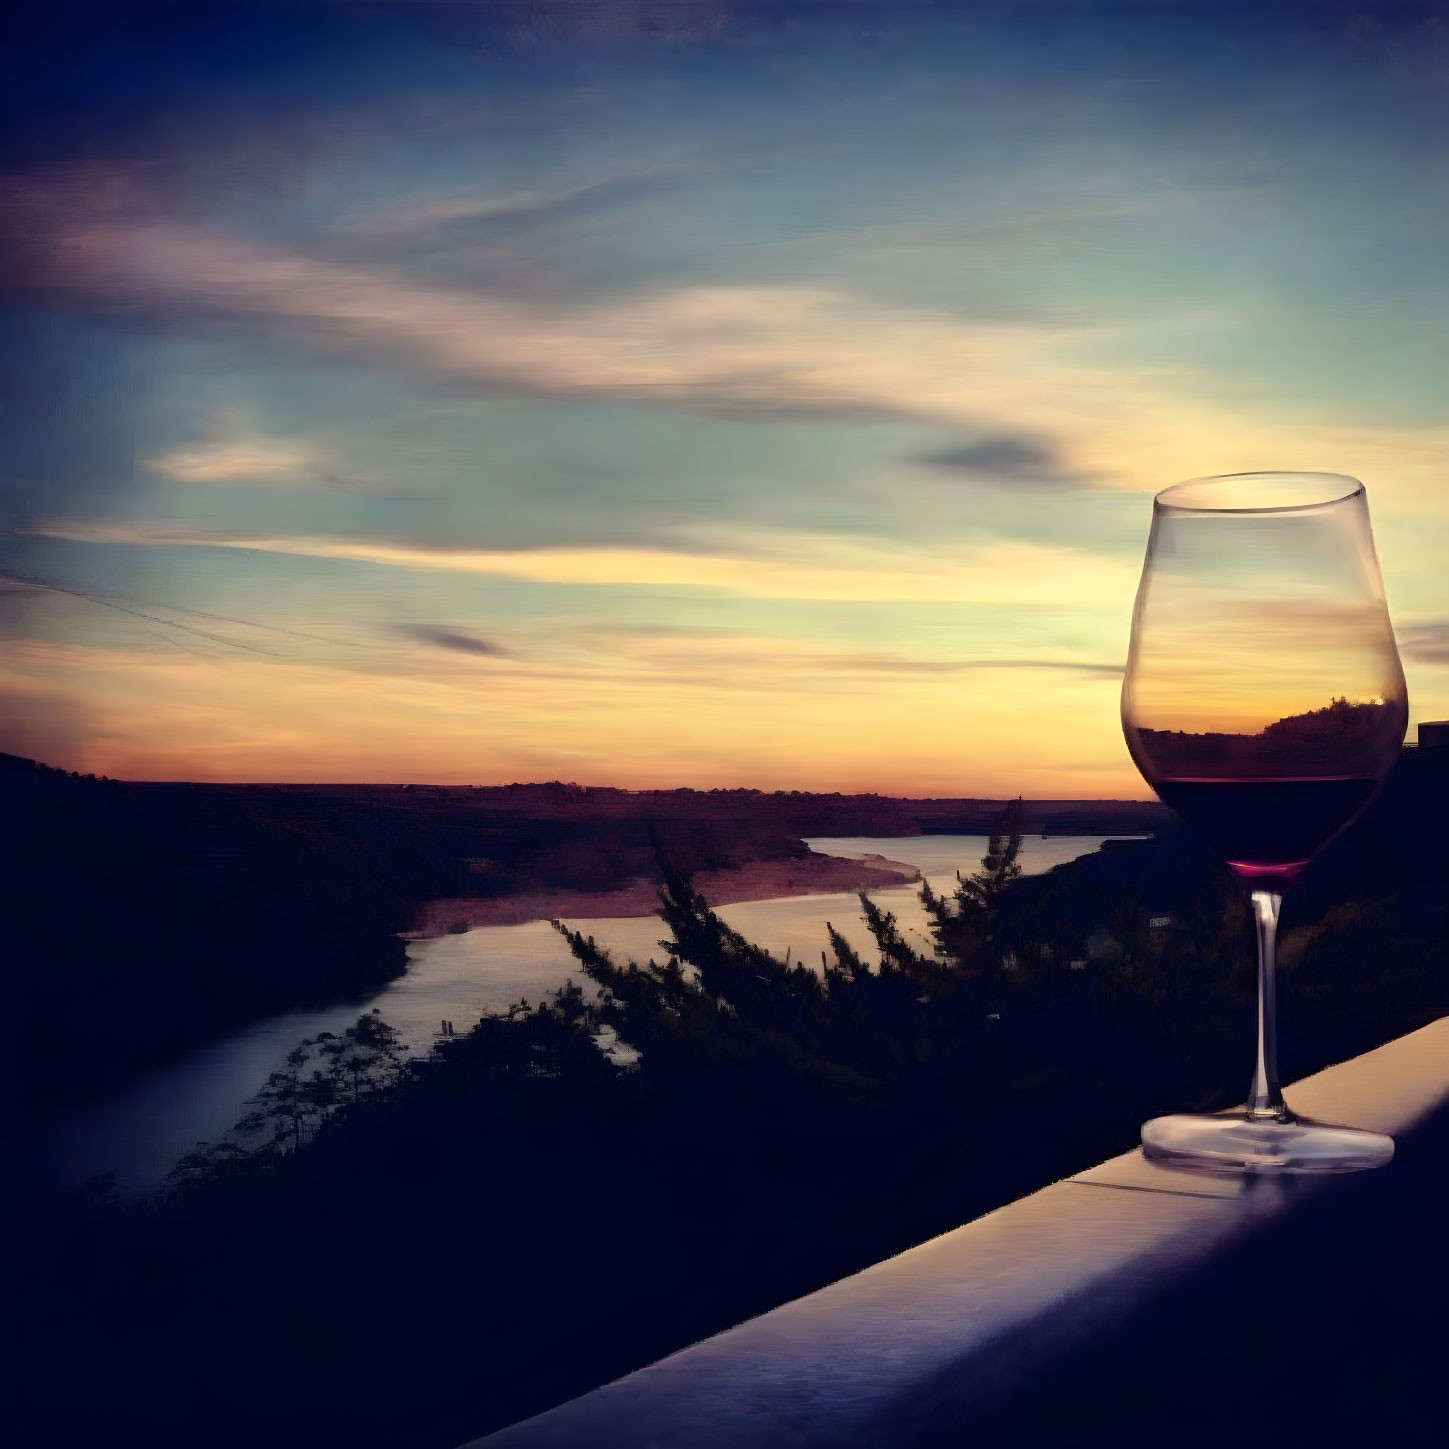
(1264, 702)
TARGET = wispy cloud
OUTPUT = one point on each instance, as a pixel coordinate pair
(458, 640)
(771, 349)
(148, 613)
(419, 221)
(174, 618)
(1026, 460)
(251, 459)
(811, 663)
(1426, 643)
(822, 568)
(887, 664)
(764, 349)
(526, 24)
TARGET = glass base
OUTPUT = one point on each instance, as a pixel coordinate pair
(1236, 1142)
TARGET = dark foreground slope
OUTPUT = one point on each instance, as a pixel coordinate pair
(518, 1218)
(143, 919)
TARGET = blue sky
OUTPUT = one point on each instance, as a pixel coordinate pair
(707, 394)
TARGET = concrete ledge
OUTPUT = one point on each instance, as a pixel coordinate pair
(917, 1350)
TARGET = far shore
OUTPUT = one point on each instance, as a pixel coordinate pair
(755, 880)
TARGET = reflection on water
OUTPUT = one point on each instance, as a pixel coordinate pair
(146, 1127)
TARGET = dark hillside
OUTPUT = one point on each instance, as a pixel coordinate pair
(518, 1217)
(144, 919)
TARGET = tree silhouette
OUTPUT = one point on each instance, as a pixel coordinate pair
(528, 1210)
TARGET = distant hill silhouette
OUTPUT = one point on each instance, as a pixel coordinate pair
(1342, 738)
(147, 918)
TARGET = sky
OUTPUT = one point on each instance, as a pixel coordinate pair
(699, 394)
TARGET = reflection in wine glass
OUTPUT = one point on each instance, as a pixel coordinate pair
(1264, 702)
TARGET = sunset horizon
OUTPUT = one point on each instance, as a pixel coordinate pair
(710, 397)
(1142, 793)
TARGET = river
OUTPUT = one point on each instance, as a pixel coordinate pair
(141, 1131)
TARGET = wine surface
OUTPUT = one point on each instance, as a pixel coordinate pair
(1268, 823)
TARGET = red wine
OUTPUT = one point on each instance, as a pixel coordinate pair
(1266, 826)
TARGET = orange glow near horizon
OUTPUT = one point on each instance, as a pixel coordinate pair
(240, 721)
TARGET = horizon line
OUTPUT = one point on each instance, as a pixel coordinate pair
(6, 756)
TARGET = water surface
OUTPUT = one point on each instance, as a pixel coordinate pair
(140, 1132)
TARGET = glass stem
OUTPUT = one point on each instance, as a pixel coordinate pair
(1266, 1097)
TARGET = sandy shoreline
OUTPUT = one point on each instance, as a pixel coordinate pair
(756, 880)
